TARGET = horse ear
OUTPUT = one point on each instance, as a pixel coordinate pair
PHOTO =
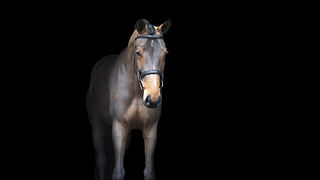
(140, 26)
(163, 28)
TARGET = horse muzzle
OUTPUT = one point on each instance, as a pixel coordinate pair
(148, 102)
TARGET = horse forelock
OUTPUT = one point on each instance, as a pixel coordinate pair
(150, 28)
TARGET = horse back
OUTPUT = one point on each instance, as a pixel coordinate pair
(101, 63)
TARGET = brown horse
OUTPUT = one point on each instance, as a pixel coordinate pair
(125, 94)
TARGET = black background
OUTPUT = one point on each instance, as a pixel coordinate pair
(210, 105)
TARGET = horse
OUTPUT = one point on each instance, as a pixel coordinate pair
(125, 93)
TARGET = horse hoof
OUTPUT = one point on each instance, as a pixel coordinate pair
(118, 178)
(149, 178)
(118, 175)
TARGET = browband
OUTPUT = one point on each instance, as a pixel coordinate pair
(149, 37)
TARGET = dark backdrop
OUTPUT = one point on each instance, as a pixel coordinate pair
(207, 126)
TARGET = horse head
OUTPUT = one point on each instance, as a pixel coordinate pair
(150, 52)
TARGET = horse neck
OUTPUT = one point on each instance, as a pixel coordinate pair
(132, 38)
(125, 68)
(126, 57)
(124, 74)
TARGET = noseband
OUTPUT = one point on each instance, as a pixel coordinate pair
(140, 75)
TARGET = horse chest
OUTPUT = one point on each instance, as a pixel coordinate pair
(137, 116)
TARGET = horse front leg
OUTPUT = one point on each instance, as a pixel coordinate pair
(119, 135)
(150, 136)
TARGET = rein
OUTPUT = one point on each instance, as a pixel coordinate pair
(140, 75)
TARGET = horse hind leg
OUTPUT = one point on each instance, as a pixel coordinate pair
(128, 140)
(104, 151)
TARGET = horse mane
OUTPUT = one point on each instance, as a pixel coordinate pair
(132, 38)
(150, 28)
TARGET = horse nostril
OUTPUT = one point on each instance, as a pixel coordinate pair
(152, 104)
(147, 101)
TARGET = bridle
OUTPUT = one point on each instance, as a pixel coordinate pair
(140, 75)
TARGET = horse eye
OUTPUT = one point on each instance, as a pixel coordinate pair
(138, 53)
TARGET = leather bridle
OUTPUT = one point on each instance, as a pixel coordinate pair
(140, 75)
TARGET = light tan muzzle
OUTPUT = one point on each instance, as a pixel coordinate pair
(151, 93)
